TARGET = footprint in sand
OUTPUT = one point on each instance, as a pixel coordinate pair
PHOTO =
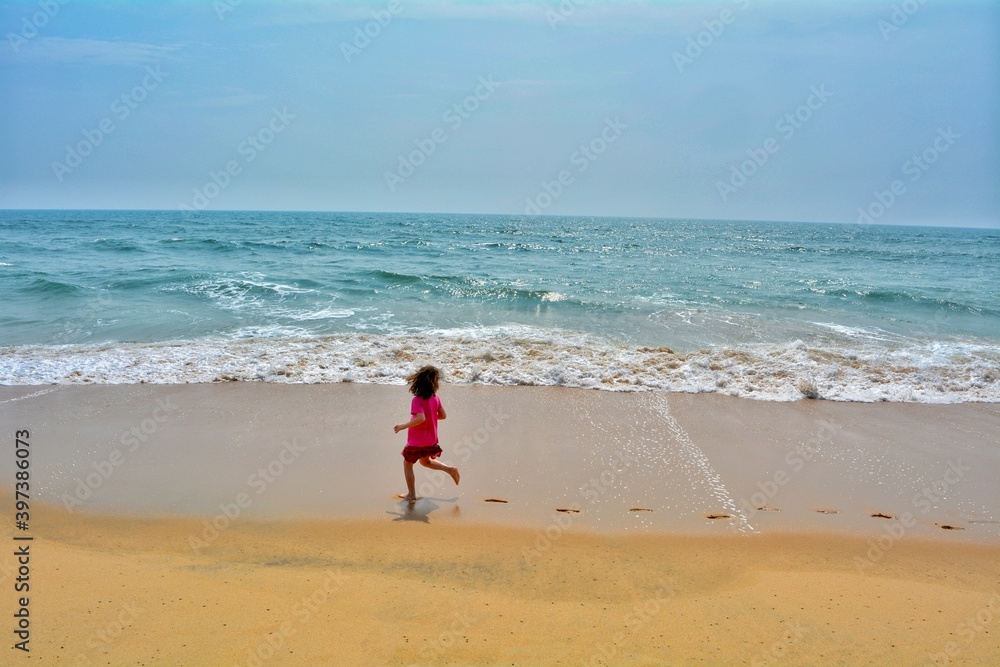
(945, 526)
(882, 515)
(567, 510)
(827, 510)
(494, 500)
(639, 509)
(718, 516)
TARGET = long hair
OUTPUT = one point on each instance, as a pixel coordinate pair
(424, 383)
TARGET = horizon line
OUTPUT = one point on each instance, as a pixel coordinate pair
(964, 225)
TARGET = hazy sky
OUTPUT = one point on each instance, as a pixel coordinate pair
(730, 109)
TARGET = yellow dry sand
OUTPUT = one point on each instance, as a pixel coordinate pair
(113, 590)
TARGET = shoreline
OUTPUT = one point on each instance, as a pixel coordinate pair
(253, 524)
(942, 372)
(628, 462)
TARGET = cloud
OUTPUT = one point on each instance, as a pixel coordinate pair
(64, 50)
(362, 10)
(232, 97)
(593, 13)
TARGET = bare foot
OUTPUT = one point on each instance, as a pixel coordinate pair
(454, 475)
(406, 496)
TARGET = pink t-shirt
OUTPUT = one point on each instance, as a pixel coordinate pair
(425, 434)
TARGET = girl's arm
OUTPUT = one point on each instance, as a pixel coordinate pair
(441, 413)
(417, 420)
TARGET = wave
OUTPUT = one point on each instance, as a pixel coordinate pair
(154, 281)
(243, 285)
(892, 297)
(46, 287)
(208, 244)
(320, 314)
(217, 244)
(393, 278)
(516, 247)
(474, 288)
(463, 287)
(117, 245)
(517, 355)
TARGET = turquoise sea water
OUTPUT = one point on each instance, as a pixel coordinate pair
(768, 310)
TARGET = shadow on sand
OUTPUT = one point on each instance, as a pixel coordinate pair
(421, 508)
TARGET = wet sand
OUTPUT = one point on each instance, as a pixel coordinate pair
(328, 451)
(255, 524)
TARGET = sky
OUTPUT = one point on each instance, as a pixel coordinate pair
(737, 109)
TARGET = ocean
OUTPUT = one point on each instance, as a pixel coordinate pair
(772, 311)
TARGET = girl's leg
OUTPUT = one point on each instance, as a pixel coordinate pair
(428, 462)
(410, 494)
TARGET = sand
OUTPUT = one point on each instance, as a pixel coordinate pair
(254, 524)
(129, 591)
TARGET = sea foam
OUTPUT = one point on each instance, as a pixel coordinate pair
(518, 355)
